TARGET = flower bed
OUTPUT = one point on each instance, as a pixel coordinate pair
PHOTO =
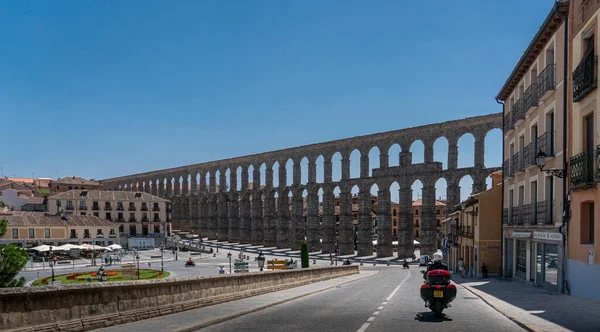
(112, 275)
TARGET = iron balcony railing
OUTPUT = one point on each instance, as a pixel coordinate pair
(598, 163)
(529, 155)
(530, 98)
(525, 217)
(131, 208)
(545, 142)
(107, 207)
(546, 81)
(95, 208)
(505, 216)
(582, 170)
(144, 208)
(69, 207)
(82, 207)
(120, 208)
(521, 162)
(584, 77)
(508, 122)
(156, 208)
(544, 212)
(514, 215)
(514, 162)
(518, 110)
(506, 169)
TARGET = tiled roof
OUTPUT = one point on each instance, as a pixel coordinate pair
(76, 180)
(25, 218)
(35, 200)
(419, 202)
(109, 195)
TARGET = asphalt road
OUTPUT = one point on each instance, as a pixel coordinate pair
(387, 301)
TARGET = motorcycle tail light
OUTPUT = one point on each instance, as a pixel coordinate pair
(425, 285)
(451, 286)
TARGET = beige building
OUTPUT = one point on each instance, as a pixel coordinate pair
(74, 183)
(440, 214)
(139, 214)
(584, 151)
(533, 124)
(30, 229)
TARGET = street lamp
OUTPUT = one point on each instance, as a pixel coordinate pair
(137, 258)
(261, 260)
(540, 160)
(162, 264)
(229, 256)
(217, 241)
(51, 263)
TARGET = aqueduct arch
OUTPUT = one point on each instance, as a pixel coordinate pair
(203, 202)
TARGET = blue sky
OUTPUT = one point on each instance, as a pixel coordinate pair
(107, 88)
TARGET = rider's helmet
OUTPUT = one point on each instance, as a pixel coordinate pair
(437, 257)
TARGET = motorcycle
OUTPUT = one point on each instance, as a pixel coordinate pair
(188, 264)
(437, 291)
(405, 265)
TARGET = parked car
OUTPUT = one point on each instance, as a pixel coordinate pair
(423, 260)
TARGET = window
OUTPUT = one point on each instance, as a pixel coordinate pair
(417, 212)
(417, 233)
(120, 216)
(121, 229)
(15, 233)
(395, 232)
(112, 231)
(82, 205)
(417, 223)
(86, 233)
(437, 211)
(521, 258)
(156, 229)
(156, 218)
(550, 133)
(144, 216)
(96, 214)
(589, 144)
(47, 233)
(69, 205)
(155, 208)
(132, 230)
(395, 223)
(395, 213)
(73, 234)
(95, 205)
(534, 139)
(108, 216)
(31, 233)
(587, 223)
(132, 216)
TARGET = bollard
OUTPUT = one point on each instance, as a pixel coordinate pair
(314, 262)
(361, 263)
(388, 263)
(215, 255)
(374, 263)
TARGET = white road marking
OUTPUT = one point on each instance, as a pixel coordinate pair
(384, 303)
(371, 319)
(363, 328)
(397, 288)
(380, 308)
(376, 313)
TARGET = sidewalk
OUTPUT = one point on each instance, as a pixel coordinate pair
(195, 319)
(535, 308)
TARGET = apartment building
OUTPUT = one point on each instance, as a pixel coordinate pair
(440, 214)
(584, 151)
(139, 214)
(533, 103)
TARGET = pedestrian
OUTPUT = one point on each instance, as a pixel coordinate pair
(110, 261)
(149, 265)
(484, 271)
(461, 267)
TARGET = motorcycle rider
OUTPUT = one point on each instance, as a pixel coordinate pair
(405, 263)
(190, 261)
(435, 264)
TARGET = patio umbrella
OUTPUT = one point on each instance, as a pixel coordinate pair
(88, 246)
(41, 248)
(115, 246)
(68, 246)
(416, 242)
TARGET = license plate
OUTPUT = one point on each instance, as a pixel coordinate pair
(438, 293)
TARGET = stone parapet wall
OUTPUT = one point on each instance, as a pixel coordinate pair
(91, 306)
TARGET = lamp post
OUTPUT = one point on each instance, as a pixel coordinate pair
(229, 256)
(217, 241)
(137, 258)
(540, 160)
(261, 260)
(162, 263)
(51, 263)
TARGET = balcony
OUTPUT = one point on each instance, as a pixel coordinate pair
(120, 208)
(514, 215)
(546, 81)
(519, 111)
(546, 143)
(508, 123)
(132, 220)
(73, 236)
(144, 208)
(131, 208)
(584, 77)
(521, 162)
(99, 236)
(598, 163)
(506, 169)
(156, 208)
(95, 208)
(514, 161)
(530, 98)
(529, 156)
(505, 216)
(84, 208)
(582, 169)
(156, 220)
(120, 219)
(544, 213)
(69, 208)
(86, 236)
(145, 219)
(107, 207)
(112, 236)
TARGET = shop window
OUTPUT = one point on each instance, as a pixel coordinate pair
(156, 229)
(47, 233)
(15, 233)
(587, 223)
(551, 264)
(521, 258)
(31, 233)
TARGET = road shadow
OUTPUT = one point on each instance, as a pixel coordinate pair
(429, 317)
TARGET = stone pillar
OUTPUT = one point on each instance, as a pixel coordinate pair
(428, 158)
(282, 176)
(406, 246)
(479, 151)
(297, 176)
(185, 186)
(246, 224)
(346, 229)
(312, 171)
(203, 183)
(384, 225)
(452, 153)
(177, 186)
(453, 197)
(384, 160)
(169, 189)
(270, 220)
(312, 213)
(234, 218)
(256, 179)
(244, 178)
(161, 188)
(405, 158)
(269, 177)
(365, 224)
(204, 217)
(479, 184)
(194, 184)
(428, 230)
(233, 180)
(327, 169)
(297, 224)
(329, 237)
(223, 220)
(212, 218)
(194, 214)
(257, 236)
(212, 186)
(345, 168)
(364, 165)
(283, 221)
(222, 182)
(154, 189)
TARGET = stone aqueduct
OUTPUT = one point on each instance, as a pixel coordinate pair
(250, 215)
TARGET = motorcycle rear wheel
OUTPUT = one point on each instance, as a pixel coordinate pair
(437, 308)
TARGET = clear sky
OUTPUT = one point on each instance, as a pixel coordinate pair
(107, 88)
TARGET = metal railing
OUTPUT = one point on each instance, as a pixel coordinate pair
(131, 208)
(144, 208)
(598, 163)
(514, 218)
(521, 162)
(508, 123)
(530, 97)
(519, 111)
(529, 155)
(544, 212)
(82, 207)
(120, 208)
(514, 161)
(546, 144)
(506, 169)
(582, 171)
(95, 208)
(505, 216)
(107, 207)
(525, 217)
(584, 77)
(545, 80)
(156, 208)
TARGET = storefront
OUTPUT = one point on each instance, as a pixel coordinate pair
(534, 256)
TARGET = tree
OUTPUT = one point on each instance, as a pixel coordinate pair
(12, 260)
(304, 254)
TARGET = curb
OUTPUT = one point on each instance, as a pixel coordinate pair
(217, 320)
(504, 313)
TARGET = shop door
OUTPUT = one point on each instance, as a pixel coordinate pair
(539, 263)
(508, 268)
